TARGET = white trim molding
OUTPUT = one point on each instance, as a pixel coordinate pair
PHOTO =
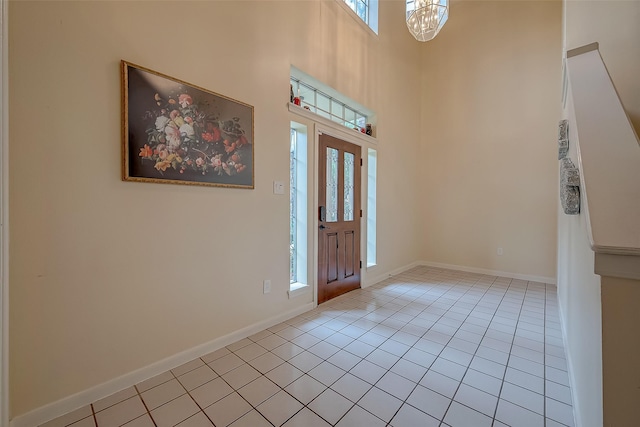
(370, 281)
(298, 289)
(333, 128)
(56, 409)
(528, 277)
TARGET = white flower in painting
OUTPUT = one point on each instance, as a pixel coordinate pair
(161, 122)
(173, 137)
(186, 130)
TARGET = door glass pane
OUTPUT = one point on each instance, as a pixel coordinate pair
(348, 186)
(332, 185)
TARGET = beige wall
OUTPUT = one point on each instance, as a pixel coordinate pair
(110, 276)
(491, 103)
(620, 349)
(614, 25)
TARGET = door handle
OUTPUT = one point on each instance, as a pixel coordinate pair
(323, 227)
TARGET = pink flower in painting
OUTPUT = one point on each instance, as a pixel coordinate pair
(216, 162)
(199, 161)
(159, 148)
(185, 100)
(163, 154)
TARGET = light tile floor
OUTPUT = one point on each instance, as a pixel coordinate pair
(429, 347)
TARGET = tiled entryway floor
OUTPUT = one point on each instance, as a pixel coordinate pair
(428, 347)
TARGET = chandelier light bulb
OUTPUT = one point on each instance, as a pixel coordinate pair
(425, 18)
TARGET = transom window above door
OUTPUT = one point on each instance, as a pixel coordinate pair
(328, 103)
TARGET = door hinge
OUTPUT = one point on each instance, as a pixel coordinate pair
(360, 264)
(360, 213)
(360, 162)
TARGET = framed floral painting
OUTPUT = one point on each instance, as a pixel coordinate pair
(178, 133)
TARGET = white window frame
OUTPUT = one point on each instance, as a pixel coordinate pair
(372, 14)
(372, 192)
(325, 126)
(301, 285)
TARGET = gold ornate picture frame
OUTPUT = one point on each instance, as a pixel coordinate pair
(178, 133)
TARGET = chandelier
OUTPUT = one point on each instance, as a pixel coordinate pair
(425, 18)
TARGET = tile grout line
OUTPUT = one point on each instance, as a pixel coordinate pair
(93, 412)
(189, 394)
(505, 293)
(508, 359)
(362, 358)
(145, 406)
(224, 397)
(410, 347)
(512, 340)
(444, 347)
(475, 354)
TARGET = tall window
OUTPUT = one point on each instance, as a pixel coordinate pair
(372, 172)
(298, 222)
(360, 7)
(367, 10)
(293, 211)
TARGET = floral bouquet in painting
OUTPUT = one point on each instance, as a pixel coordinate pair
(184, 137)
(184, 133)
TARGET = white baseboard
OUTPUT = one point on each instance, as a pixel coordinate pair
(71, 403)
(370, 281)
(531, 278)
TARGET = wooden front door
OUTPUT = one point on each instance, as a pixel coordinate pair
(338, 217)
